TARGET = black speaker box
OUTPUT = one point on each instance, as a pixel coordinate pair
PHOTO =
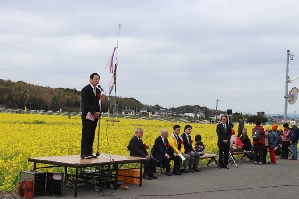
(38, 179)
(54, 184)
(229, 111)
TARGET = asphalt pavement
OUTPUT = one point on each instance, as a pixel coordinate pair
(248, 180)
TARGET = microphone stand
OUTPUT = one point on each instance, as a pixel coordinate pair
(99, 127)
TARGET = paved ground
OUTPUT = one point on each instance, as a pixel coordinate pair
(245, 181)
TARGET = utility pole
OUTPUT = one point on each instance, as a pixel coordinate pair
(217, 100)
(29, 100)
(286, 95)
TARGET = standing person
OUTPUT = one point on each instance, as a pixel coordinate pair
(285, 137)
(224, 132)
(176, 142)
(163, 152)
(194, 157)
(258, 143)
(90, 115)
(138, 149)
(272, 140)
(294, 139)
(241, 126)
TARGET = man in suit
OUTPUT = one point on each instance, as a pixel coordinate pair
(138, 149)
(194, 157)
(90, 113)
(163, 152)
(176, 142)
(224, 132)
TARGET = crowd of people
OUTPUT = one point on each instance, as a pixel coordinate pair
(175, 146)
(179, 147)
(266, 144)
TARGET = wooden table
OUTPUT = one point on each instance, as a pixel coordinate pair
(74, 161)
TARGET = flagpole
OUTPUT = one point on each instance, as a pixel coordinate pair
(115, 69)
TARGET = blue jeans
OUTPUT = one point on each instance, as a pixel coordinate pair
(294, 150)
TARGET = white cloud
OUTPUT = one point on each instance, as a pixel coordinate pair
(171, 52)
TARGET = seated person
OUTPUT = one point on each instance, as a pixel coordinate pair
(137, 149)
(177, 144)
(247, 146)
(236, 144)
(163, 152)
(199, 146)
(187, 142)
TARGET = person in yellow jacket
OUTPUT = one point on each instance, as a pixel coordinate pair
(176, 142)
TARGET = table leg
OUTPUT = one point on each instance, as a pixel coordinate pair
(75, 183)
(65, 175)
(116, 176)
(140, 183)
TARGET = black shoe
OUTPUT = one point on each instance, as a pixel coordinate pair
(191, 170)
(184, 171)
(153, 176)
(196, 169)
(85, 157)
(225, 167)
(147, 177)
(176, 173)
(92, 156)
(168, 173)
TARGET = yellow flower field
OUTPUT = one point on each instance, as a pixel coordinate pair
(31, 135)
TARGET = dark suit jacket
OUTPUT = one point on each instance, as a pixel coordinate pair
(223, 134)
(90, 102)
(187, 145)
(160, 149)
(137, 148)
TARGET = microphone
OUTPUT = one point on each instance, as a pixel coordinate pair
(99, 87)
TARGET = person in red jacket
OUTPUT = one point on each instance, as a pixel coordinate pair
(259, 145)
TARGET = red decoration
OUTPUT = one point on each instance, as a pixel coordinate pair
(99, 96)
(181, 141)
(144, 145)
(167, 145)
(191, 141)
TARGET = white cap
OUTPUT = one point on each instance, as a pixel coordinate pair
(292, 123)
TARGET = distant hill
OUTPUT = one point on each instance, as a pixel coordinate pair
(18, 95)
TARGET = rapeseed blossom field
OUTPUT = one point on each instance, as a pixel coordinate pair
(25, 136)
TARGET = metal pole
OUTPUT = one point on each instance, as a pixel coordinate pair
(286, 88)
(29, 100)
(216, 110)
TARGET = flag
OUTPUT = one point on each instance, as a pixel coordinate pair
(110, 63)
(111, 85)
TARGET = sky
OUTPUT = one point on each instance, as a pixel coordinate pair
(170, 52)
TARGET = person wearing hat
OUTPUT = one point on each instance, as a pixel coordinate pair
(285, 137)
(294, 139)
(272, 140)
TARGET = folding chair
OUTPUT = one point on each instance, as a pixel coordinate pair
(232, 159)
